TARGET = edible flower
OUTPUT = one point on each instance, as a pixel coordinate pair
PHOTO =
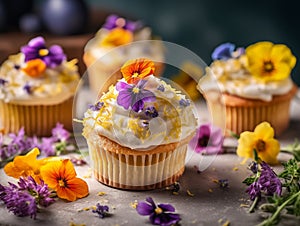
(161, 214)
(226, 51)
(25, 198)
(270, 62)
(117, 37)
(101, 210)
(97, 106)
(114, 21)
(134, 96)
(61, 177)
(27, 165)
(36, 49)
(262, 141)
(208, 139)
(134, 70)
(34, 68)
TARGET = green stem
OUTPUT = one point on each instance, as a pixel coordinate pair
(277, 212)
(251, 209)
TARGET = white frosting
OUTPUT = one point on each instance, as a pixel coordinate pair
(126, 127)
(233, 78)
(57, 84)
(151, 50)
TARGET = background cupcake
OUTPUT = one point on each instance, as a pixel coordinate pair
(138, 132)
(255, 83)
(37, 87)
(116, 32)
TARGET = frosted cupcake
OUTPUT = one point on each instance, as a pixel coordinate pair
(138, 132)
(103, 68)
(255, 83)
(37, 87)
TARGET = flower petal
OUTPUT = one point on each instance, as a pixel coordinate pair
(166, 207)
(264, 131)
(144, 208)
(124, 99)
(79, 187)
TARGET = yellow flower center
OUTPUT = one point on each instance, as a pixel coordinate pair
(135, 75)
(260, 145)
(158, 210)
(62, 183)
(43, 52)
(268, 66)
(135, 90)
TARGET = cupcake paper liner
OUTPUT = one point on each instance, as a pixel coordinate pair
(36, 119)
(245, 114)
(137, 170)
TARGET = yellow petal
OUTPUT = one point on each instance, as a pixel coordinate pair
(246, 144)
(259, 51)
(283, 53)
(264, 131)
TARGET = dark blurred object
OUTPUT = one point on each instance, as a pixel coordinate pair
(30, 23)
(2, 15)
(14, 9)
(64, 17)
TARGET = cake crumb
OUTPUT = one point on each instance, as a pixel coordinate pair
(73, 224)
(175, 193)
(190, 193)
(134, 204)
(235, 168)
(244, 205)
(101, 193)
(210, 190)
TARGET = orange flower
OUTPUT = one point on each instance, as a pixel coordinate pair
(134, 70)
(27, 165)
(61, 177)
(117, 37)
(34, 68)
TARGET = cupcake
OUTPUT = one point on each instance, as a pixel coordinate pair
(255, 83)
(37, 87)
(138, 131)
(103, 70)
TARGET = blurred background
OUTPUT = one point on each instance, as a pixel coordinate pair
(199, 25)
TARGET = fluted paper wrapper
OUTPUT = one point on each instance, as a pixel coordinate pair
(245, 114)
(37, 119)
(124, 168)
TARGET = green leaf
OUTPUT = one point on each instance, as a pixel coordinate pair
(249, 180)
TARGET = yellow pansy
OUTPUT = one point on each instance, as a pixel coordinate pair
(117, 37)
(270, 62)
(262, 140)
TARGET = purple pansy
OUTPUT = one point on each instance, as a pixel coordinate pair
(161, 214)
(134, 96)
(25, 198)
(208, 139)
(101, 210)
(36, 49)
(226, 51)
(114, 21)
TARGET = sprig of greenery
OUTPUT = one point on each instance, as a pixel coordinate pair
(294, 149)
(289, 202)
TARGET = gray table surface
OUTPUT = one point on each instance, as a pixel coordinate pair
(210, 205)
